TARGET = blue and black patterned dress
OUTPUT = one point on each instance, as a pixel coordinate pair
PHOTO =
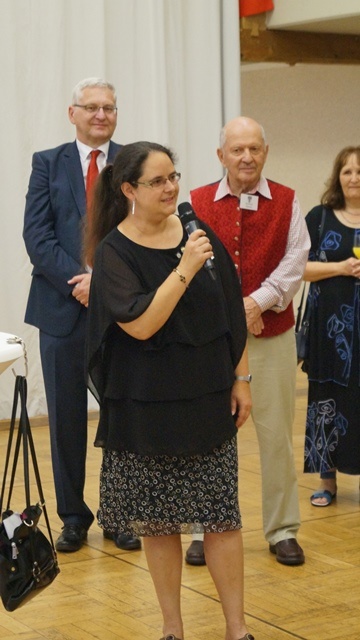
(332, 437)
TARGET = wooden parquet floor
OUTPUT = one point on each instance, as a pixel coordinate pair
(107, 594)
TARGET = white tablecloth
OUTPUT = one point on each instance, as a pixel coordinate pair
(9, 352)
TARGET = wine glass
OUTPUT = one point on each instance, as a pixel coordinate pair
(356, 245)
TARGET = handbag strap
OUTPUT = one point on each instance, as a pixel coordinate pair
(8, 451)
(300, 307)
(321, 228)
(24, 435)
(30, 440)
(19, 391)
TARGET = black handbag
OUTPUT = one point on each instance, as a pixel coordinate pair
(28, 560)
(302, 325)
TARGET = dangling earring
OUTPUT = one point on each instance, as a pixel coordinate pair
(133, 207)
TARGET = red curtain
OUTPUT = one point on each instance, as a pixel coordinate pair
(251, 7)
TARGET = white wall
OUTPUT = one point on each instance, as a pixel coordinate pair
(309, 113)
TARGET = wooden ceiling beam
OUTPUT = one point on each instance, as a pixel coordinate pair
(259, 44)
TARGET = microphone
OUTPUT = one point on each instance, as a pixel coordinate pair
(190, 222)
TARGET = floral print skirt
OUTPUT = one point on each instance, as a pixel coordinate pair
(165, 495)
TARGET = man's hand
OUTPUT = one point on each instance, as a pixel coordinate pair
(254, 320)
(81, 288)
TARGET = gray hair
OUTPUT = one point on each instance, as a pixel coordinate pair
(223, 135)
(91, 82)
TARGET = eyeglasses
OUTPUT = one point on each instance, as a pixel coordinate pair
(93, 109)
(158, 183)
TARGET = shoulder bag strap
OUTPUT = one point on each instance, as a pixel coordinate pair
(321, 228)
(24, 435)
(8, 452)
(300, 309)
(29, 441)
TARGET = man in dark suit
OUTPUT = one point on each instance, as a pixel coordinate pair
(57, 305)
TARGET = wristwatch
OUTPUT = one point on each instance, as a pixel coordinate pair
(247, 378)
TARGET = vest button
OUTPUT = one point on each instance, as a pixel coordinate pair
(237, 253)
(237, 223)
(236, 238)
(236, 265)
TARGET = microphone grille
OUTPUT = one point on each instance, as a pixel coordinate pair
(186, 211)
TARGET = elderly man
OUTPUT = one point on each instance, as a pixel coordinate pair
(58, 195)
(260, 223)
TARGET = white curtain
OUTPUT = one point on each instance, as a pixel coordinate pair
(176, 68)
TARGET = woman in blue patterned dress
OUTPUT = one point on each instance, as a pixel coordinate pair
(332, 441)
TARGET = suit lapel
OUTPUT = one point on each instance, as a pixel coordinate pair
(113, 149)
(75, 176)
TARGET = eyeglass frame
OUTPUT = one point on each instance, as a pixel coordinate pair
(107, 109)
(161, 181)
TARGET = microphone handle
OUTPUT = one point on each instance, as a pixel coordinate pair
(209, 266)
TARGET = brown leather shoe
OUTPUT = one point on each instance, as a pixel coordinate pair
(195, 553)
(288, 552)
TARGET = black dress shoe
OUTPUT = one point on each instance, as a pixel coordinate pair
(288, 552)
(195, 553)
(123, 541)
(72, 538)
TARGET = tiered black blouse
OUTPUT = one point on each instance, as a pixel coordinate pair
(172, 389)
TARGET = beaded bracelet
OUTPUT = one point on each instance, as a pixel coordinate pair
(182, 278)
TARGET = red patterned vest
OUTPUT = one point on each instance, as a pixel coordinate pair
(256, 240)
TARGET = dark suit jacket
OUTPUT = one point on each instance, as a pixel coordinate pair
(53, 228)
